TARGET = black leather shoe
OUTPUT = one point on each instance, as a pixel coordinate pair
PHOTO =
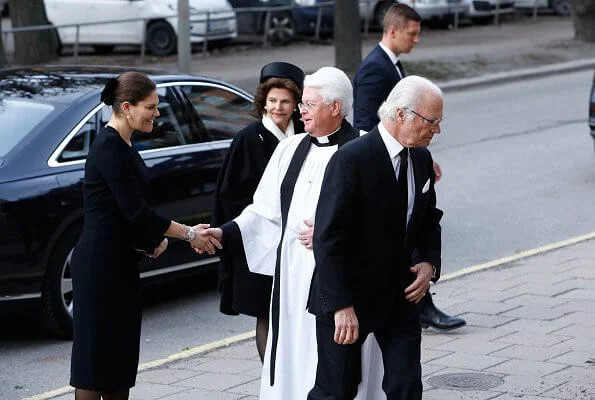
(431, 316)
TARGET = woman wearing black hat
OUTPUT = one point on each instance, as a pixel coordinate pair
(275, 102)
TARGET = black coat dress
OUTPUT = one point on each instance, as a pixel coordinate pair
(105, 276)
(241, 290)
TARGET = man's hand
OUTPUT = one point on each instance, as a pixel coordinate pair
(305, 236)
(346, 326)
(159, 249)
(437, 172)
(206, 239)
(417, 290)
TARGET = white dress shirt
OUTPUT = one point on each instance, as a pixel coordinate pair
(394, 148)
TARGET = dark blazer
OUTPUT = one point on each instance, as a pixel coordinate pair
(372, 83)
(362, 260)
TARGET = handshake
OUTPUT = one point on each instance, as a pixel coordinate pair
(202, 239)
(206, 239)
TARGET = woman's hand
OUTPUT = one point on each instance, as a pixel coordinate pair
(207, 240)
(159, 249)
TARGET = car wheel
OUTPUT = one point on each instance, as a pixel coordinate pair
(381, 9)
(56, 296)
(562, 7)
(161, 39)
(103, 49)
(281, 28)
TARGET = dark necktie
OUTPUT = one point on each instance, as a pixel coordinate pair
(402, 190)
(400, 69)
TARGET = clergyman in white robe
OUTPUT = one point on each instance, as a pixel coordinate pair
(261, 230)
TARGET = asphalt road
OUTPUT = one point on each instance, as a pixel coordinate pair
(519, 172)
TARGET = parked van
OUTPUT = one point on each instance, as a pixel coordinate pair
(157, 23)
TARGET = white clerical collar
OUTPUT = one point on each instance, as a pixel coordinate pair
(392, 145)
(327, 140)
(274, 129)
(393, 57)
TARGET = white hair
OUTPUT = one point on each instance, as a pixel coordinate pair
(408, 93)
(334, 85)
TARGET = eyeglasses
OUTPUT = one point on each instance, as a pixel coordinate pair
(308, 105)
(428, 120)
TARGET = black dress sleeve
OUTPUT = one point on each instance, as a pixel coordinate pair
(116, 165)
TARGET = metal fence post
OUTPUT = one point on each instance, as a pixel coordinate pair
(456, 20)
(497, 15)
(76, 44)
(318, 23)
(535, 10)
(143, 39)
(205, 43)
(267, 24)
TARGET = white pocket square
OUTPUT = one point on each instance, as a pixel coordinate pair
(426, 187)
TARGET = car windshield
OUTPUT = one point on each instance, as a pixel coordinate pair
(17, 119)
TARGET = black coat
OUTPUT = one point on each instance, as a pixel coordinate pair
(241, 290)
(373, 81)
(361, 257)
(105, 277)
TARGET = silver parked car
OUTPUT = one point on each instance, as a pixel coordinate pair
(429, 10)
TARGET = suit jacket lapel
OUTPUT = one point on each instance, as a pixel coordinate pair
(389, 64)
(385, 164)
(420, 176)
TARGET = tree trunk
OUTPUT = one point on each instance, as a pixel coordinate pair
(3, 62)
(36, 46)
(348, 36)
(584, 20)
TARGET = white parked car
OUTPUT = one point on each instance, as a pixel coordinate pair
(440, 10)
(484, 10)
(560, 7)
(159, 26)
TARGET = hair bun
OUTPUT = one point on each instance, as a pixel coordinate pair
(108, 94)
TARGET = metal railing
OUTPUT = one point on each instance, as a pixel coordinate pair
(206, 17)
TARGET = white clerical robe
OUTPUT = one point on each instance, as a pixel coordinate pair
(260, 225)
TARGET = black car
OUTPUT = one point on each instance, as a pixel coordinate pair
(49, 117)
(286, 24)
(592, 110)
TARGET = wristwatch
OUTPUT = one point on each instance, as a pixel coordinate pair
(190, 234)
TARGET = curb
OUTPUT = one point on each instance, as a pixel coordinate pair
(251, 334)
(517, 75)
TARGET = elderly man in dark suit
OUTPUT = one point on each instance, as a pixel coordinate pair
(377, 246)
(378, 73)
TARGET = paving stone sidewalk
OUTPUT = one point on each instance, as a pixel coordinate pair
(530, 334)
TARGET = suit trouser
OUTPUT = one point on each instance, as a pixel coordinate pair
(338, 373)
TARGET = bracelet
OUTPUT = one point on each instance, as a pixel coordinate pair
(190, 234)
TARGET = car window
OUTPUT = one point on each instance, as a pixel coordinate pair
(222, 111)
(78, 147)
(175, 125)
(17, 119)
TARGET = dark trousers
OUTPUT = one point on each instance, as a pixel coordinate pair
(339, 366)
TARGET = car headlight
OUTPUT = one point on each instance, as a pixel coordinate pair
(305, 2)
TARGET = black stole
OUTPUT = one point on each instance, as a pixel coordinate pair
(345, 134)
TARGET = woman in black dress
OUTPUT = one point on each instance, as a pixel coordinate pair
(118, 228)
(275, 102)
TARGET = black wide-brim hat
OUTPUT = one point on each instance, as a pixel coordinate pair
(283, 70)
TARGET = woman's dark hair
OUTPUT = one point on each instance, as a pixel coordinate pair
(130, 86)
(262, 90)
